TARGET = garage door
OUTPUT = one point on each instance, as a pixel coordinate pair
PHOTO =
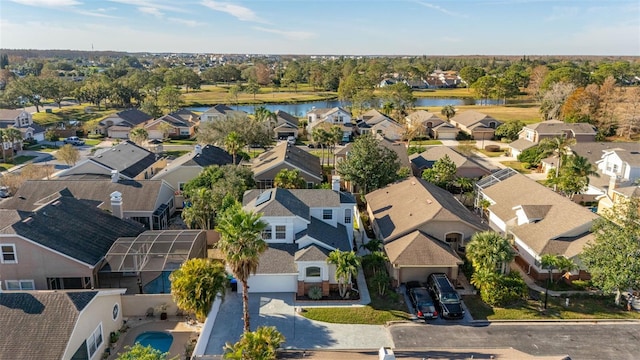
(419, 273)
(273, 283)
(447, 135)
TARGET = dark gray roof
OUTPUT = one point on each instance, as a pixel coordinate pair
(399, 148)
(287, 202)
(336, 237)
(38, 325)
(218, 108)
(133, 117)
(184, 115)
(74, 228)
(290, 155)
(284, 116)
(278, 259)
(128, 158)
(312, 253)
(211, 155)
(594, 150)
(136, 195)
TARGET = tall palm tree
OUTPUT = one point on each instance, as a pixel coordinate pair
(347, 263)
(195, 285)
(242, 244)
(269, 118)
(581, 166)
(448, 111)
(558, 145)
(320, 136)
(233, 142)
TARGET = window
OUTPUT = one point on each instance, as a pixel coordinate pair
(327, 214)
(181, 186)
(347, 216)
(20, 285)
(281, 232)
(8, 254)
(266, 233)
(309, 185)
(313, 271)
(94, 341)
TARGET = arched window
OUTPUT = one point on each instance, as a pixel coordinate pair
(313, 271)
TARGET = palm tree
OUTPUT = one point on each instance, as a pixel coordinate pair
(387, 108)
(448, 111)
(373, 245)
(320, 136)
(483, 277)
(558, 145)
(200, 213)
(488, 250)
(242, 244)
(138, 136)
(581, 167)
(347, 263)
(289, 179)
(233, 142)
(375, 261)
(260, 344)
(264, 115)
(195, 285)
(3, 140)
(466, 185)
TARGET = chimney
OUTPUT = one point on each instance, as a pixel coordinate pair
(116, 204)
(613, 181)
(115, 176)
(335, 182)
(198, 149)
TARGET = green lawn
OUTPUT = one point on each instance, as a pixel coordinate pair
(76, 112)
(176, 153)
(5, 166)
(92, 142)
(181, 142)
(517, 166)
(580, 307)
(355, 315)
(22, 159)
(426, 142)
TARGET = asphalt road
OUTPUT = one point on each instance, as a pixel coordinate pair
(579, 340)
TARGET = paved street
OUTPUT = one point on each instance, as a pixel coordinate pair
(579, 340)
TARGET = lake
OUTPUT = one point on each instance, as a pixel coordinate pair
(301, 109)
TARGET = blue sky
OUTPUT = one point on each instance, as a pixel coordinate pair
(359, 27)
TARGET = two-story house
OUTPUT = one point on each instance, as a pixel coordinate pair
(220, 112)
(304, 226)
(375, 122)
(22, 121)
(336, 116)
(532, 134)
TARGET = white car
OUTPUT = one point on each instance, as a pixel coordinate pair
(4, 192)
(291, 140)
(74, 140)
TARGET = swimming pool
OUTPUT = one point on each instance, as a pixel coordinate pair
(158, 340)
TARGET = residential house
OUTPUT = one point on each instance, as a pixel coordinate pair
(422, 226)
(387, 82)
(119, 125)
(23, 121)
(304, 226)
(374, 122)
(286, 125)
(178, 125)
(190, 165)
(286, 156)
(61, 244)
(480, 126)
(465, 167)
(540, 220)
(67, 325)
(126, 160)
(416, 83)
(532, 134)
(220, 112)
(423, 123)
(336, 116)
(149, 202)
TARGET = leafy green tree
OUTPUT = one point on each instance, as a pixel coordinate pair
(95, 89)
(289, 179)
(502, 290)
(471, 74)
(11, 135)
(574, 176)
(52, 135)
(347, 263)
(488, 250)
(484, 87)
(195, 285)
(170, 98)
(369, 165)
(139, 352)
(442, 173)
(201, 208)
(448, 111)
(150, 106)
(242, 244)
(138, 135)
(509, 130)
(266, 116)
(30, 88)
(401, 96)
(261, 344)
(505, 88)
(613, 258)
(252, 88)
(532, 156)
(69, 154)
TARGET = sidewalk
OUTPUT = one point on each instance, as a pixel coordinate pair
(535, 287)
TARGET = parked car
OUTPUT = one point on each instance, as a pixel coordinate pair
(446, 296)
(74, 140)
(4, 192)
(291, 140)
(423, 303)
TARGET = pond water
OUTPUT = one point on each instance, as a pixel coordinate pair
(301, 109)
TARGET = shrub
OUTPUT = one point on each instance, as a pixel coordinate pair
(492, 148)
(95, 136)
(315, 293)
(114, 336)
(504, 290)
(463, 136)
(415, 150)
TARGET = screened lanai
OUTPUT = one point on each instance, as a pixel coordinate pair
(143, 264)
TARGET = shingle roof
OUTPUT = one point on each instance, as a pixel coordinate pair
(421, 116)
(522, 144)
(404, 206)
(38, 325)
(284, 116)
(218, 109)
(278, 259)
(433, 153)
(469, 118)
(74, 228)
(287, 202)
(312, 253)
(133, 117)
(291, 155)
(128, 158)
(419, 249)
(556, 127)
(562, 216)
(399, 148)
(209, 155)
(335, 237)
(594, 150)
(10, 114)
(136, 195)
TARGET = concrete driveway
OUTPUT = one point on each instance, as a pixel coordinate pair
(278, 309)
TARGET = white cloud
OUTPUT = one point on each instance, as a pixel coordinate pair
(190, 23)
(441, 9)
(150, 11)
(97, 13)
(293, 35)
(150, 4)
(48, 3)
(239, 12)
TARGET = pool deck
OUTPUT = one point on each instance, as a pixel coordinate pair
(182, 334)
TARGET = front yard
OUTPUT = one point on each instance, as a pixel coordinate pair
(580, 307)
